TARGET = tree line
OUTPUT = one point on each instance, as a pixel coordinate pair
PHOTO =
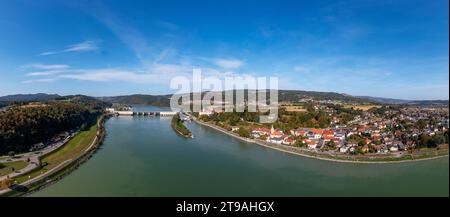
(23, 126)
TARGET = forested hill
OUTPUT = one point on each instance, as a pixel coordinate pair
(140, 99)
(283, 96)
(402, 101)
(29, 97)
(25, 125)
(23, 99)
(87, 101)
(296, 95)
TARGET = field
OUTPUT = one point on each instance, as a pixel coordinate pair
(5, 168)
(362, 107)
(292, 108)
(73, 149)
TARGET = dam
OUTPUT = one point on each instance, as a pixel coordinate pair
(140, 113)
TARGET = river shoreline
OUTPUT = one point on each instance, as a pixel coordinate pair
(178, 126)
(62, 170)
(295, 151)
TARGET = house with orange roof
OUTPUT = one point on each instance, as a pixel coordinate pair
(315, 133)
(288, 140)
(312, 144)
(299, 132)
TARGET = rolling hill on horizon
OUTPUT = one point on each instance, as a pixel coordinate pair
(164, 100)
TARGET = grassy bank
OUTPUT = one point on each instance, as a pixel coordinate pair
(7, 168)
(61, 162)
(74, 148)
(178, 126)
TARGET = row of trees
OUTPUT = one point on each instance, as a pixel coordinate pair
(23, 126)
(425, 140)
(310, 118)
(286, 120)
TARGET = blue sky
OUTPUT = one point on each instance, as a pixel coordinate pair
(396, 49)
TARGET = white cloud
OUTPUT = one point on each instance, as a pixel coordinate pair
(46, 69)
(80, 47)
(39, 80)
(45, 66)
(228, 63)
(156, 74)
(49, 72)
(112, 75)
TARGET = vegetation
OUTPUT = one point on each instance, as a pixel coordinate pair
(310, 118)
(178, 126)
(426, 141)
(140, 99)
(243, 132)
(284, 95)
(6, 183)
(71, 151)
(7, 168)
(29, 97)
(24, 126)
(87, 101)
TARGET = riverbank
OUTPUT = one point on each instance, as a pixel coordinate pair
(56, 165)
(321, 156)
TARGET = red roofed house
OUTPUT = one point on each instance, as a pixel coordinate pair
(317, 133)
(312, 144)
(298, 132)
(260, 132)
(288, 140)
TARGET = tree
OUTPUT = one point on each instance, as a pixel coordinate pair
(299, 143)
(23, 126)
(243, 132)
(6, 183)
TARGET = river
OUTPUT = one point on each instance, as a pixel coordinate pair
(143, 156)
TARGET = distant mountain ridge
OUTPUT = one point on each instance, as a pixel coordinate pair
(140, 99)
(403, 101)
(29, 97)
(164, 100)
(88, 101)
(283, 96)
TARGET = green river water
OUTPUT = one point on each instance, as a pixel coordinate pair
(143, 156)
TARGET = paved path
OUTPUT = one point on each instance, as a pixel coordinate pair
(37, 177)
(33, 157)
(92, 144)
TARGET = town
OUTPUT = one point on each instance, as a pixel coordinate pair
(337, 128)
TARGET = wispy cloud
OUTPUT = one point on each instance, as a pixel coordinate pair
(157, 74)
(129, 35)
(42, 80)
(45, 69)
(80, 47)
(45, 66)
(228, 63)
